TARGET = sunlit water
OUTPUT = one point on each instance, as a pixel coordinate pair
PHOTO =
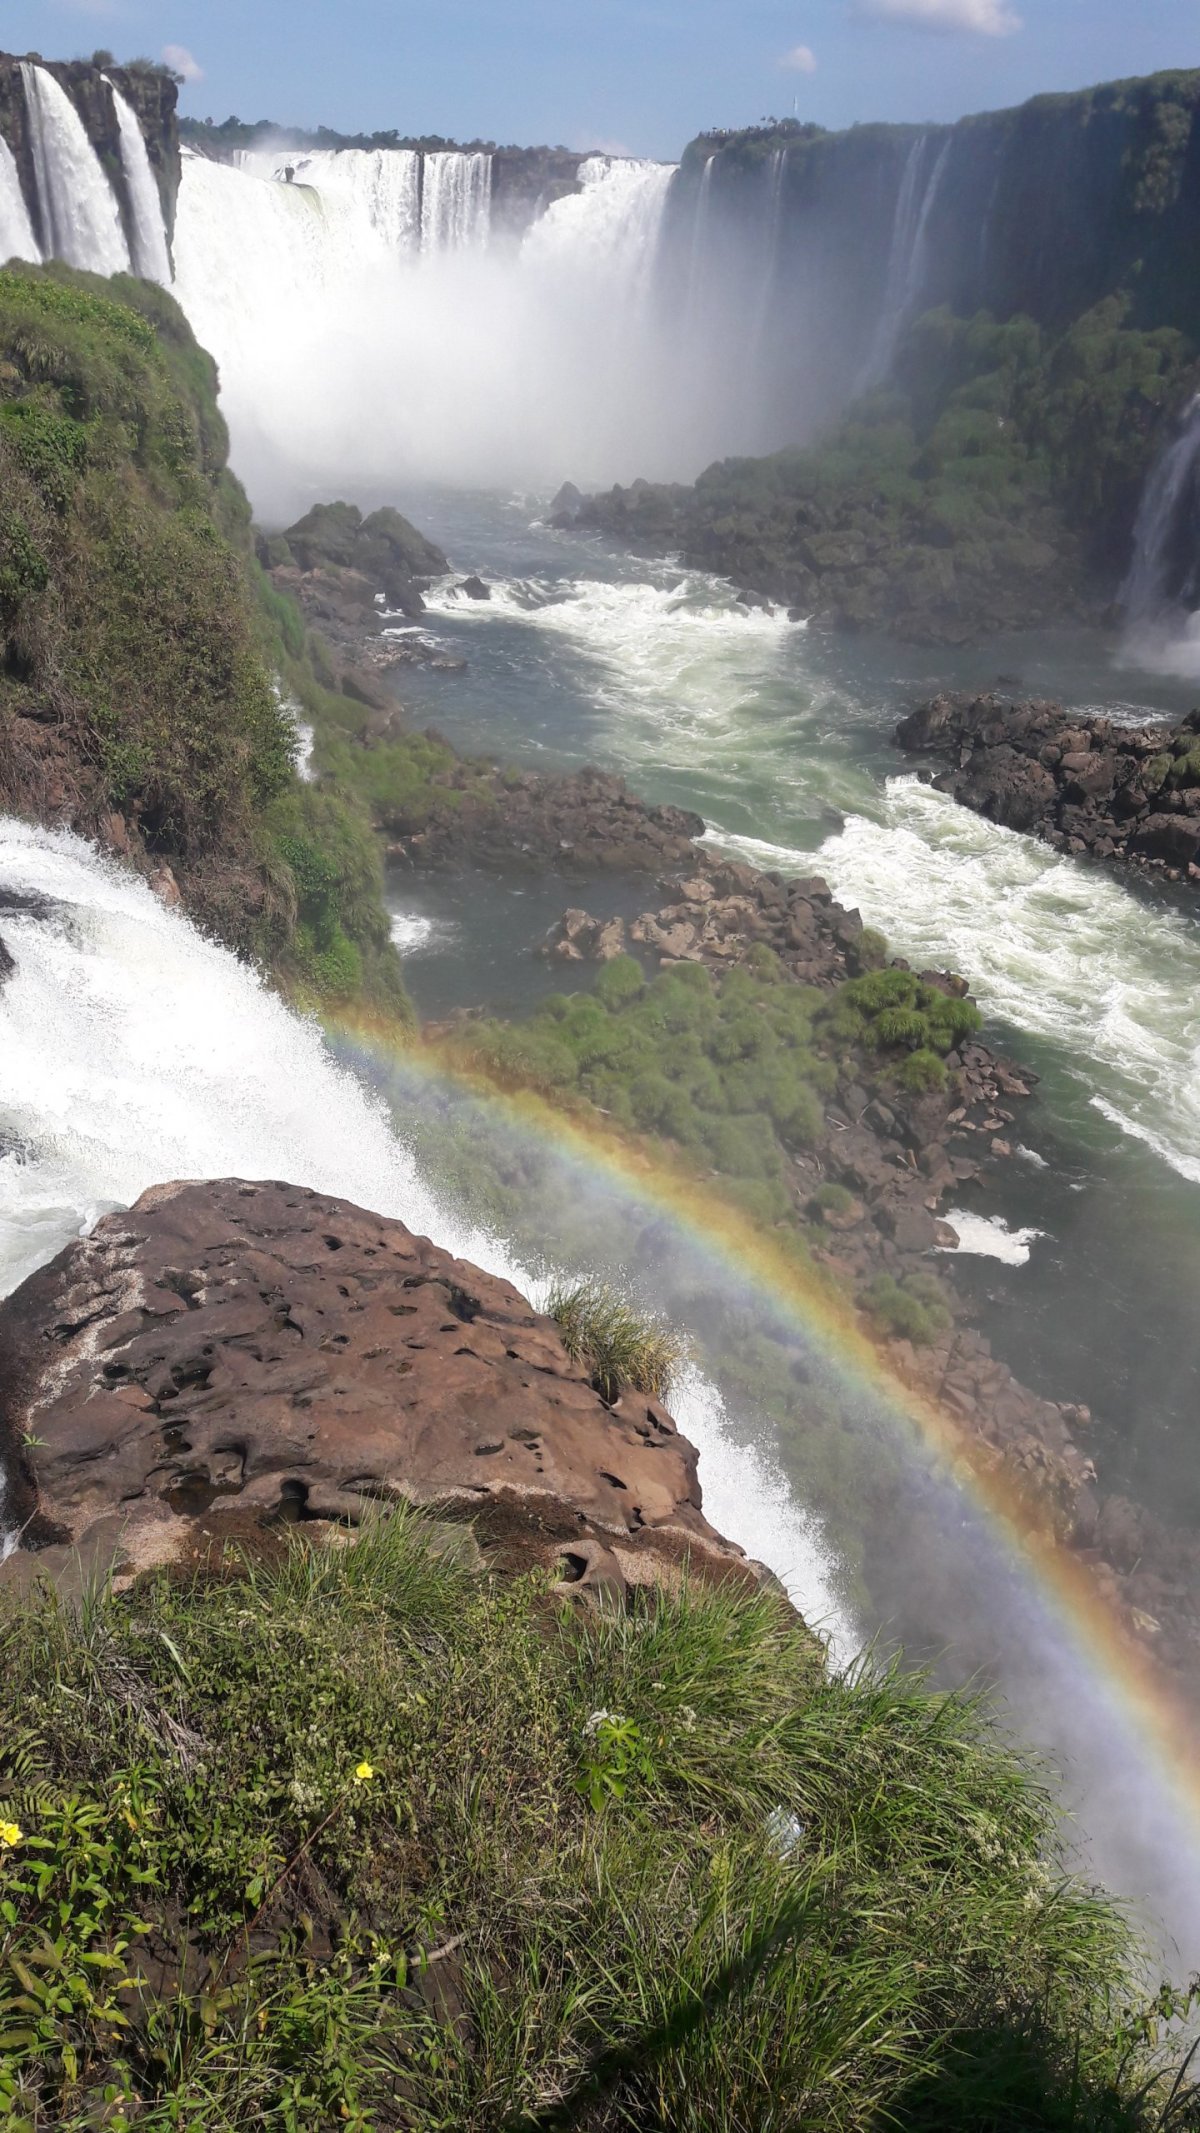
(780, 736)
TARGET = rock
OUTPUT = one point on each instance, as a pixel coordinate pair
(267, 1352)
(7, 962)
(474, 588)
(1086, 785)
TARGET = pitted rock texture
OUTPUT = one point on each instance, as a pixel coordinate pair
(259, 1348)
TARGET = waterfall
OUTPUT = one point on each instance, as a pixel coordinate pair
(149, 246)
(380, 185)
(606, 235)
(772, 225)
(17, 240)
(456, 202)
(908, 259)
(351, 361)
(1164, 575)
(80, 219)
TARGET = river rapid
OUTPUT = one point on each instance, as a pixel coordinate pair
(780, 736)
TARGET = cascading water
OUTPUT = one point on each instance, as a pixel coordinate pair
(17, 240)
(1164, 576)
(347, 359)
(456, 201)
(151, 258)
(381, 186)
(908, 260)
(77, 207)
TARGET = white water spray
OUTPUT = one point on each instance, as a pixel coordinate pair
(150, 256)
(349, 363)
(17, 240)
(81, 221)
(456, 201)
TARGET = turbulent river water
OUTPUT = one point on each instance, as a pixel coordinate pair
(781, 738)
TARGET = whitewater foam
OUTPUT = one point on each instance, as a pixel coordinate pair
(1052, 947)
(989, 1237)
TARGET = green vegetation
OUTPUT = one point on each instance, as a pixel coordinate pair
(138, 636)
(347, 1835)
(733, 1069)
(616, 1344)
(911, 1309)
(992, 483)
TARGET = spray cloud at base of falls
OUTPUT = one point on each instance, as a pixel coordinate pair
(350, 359)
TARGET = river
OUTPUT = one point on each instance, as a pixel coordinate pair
(780, 736)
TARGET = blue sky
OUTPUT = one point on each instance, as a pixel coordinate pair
(640, 74)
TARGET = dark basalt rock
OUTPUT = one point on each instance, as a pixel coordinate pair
(1083, 783)
(259, 1351)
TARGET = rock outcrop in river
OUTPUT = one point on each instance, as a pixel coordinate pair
(1083, 783)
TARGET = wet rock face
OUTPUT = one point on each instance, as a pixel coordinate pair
(1083, 784)
(259, 1349)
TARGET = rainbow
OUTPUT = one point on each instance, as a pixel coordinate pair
(1121, 1673)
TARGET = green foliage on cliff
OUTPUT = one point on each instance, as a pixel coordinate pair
(992, 485)
(138, 636)
(353, 1836)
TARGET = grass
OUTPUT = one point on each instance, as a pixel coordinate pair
(347, 1835)
(606, 1336)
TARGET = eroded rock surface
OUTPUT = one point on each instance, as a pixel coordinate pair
(257, 1348)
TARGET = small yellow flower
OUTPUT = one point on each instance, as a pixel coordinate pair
(363, 1774)
(10, 1836)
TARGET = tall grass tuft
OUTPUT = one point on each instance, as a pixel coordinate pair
(614, 1343)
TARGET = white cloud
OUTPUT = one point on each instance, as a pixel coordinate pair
(800, 60)
(981, 18)
(180, 61)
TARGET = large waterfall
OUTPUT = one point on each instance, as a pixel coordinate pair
(81, 221)
(353, 357)
(149, 239)
(17, 240)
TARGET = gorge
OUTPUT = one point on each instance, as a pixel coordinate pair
(275, 793)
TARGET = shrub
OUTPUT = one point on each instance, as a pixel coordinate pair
(922, 1072)
(607, 1337)
(911, 1309)
(832, 1199)
(619, 982)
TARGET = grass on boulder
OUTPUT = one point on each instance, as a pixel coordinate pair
(350, 1836)
(607, 1337)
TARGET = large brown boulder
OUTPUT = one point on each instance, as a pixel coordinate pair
(230, 1349)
